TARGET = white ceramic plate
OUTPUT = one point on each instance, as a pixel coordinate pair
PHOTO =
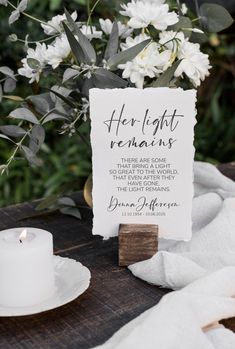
(71, 278)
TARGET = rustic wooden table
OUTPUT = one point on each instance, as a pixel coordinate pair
(113, 298)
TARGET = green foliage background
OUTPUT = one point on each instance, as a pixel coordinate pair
(67, 160)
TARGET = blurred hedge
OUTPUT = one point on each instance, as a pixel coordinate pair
(68, 159)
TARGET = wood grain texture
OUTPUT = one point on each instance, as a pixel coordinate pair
(137, 242)
(114, 298)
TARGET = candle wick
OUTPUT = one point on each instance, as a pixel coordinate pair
(20, 241)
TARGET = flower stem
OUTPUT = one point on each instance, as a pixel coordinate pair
(90, 11)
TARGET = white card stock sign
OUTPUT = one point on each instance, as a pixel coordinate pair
(142, 146)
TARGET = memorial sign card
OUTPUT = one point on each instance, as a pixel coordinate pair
(142, 145)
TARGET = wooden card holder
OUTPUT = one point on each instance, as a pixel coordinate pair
(137, 242)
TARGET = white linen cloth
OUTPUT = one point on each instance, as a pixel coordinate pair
(204, 270)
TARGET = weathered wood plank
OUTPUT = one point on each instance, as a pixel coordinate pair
(137, 242)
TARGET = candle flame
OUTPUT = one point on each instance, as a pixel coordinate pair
(23, 235)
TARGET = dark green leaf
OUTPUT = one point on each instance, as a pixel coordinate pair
(127, 55)
(37, 137)
(198, 38)
(0, 92)
(47, 202)
(112, 46)
(183, 24)
(24, 114)
(87, 48)
(106, 79)
(71, 211)
(75, 46)
(33, 63)
(165, 79)
(215, 17)
(30, 156)
(12, 130)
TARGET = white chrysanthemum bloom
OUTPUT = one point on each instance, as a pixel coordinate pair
(123, 30)
(38, 54)
(195, 64)
(55, 24)
(172, 40)
(91, 32)
(148, 63)
(58, 51)
(134, 41)
(145, 12)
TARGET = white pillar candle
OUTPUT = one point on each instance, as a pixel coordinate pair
(26, 267)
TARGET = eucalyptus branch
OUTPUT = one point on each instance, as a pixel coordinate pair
(32, 17)
(37, 41)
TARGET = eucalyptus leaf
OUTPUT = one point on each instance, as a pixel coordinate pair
(66, 201)
(75, 46)
(37, 137)
(12, 130)
(65, 99)
(71, 211)
(112, 46)
(15, 15)
(40, 103)
(106, 79)
(53, 116)
(24, 114)
(30, 156)
(5, 137)
(183, 24)
(127, 55)
(215, 18)
(9, 85)
(46, 203)
(69, 73)
(22, 5)
(166, 77)
(7, 71)
(86, 46)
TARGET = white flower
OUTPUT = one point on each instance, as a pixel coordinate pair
(3, 2)
(148, 63)
(195, 64)
(107, 25)
(133, 41)
(91, 32)
(184, 9)
(145, 12)
(58, 51)
(172, 40)
(39, 54)
(54, 26)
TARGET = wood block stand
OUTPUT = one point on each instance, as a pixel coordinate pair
(137, 242)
